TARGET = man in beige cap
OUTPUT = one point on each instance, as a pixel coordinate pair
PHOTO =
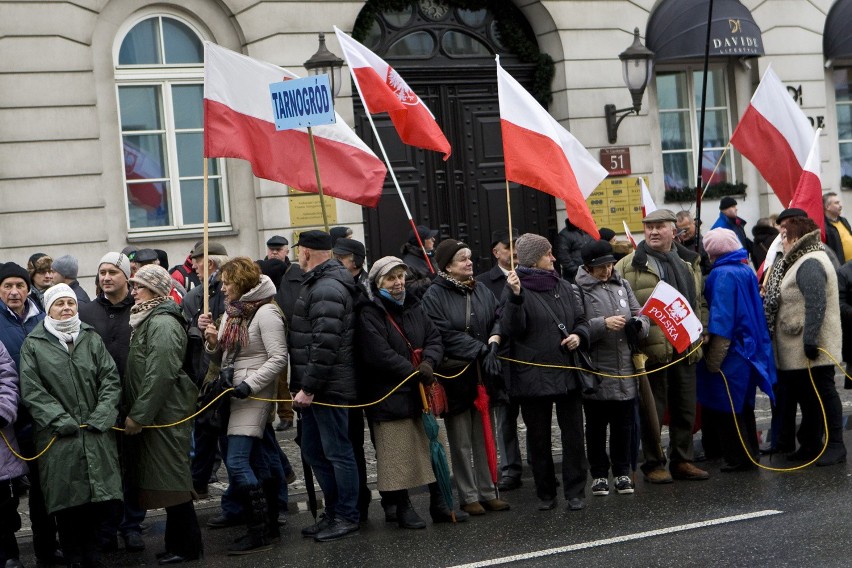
(657, 258)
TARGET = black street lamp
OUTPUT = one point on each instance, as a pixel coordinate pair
(638, 62)
(325, 62)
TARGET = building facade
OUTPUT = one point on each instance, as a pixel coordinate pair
(102, 122)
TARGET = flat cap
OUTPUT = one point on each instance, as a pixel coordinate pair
(315, 240)
(214, 248)
(502, 236)
(277, 241)
(660, 215)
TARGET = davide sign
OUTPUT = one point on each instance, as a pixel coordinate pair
(738, 37)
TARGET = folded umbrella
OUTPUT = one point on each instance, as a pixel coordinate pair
(437, 454)
(483, 405)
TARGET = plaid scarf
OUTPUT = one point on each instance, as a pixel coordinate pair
(240, 313)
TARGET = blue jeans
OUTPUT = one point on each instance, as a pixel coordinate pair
(245, 462)
(270, 460)
(327, 449)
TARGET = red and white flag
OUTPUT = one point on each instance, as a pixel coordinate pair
(775, 135)
(808, 196)
(648, 205)
(629, 234)
(540, 153)
(383, 90)
(239, 123)
(672, 313)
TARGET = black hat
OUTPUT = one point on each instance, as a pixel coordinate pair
(597, 253)
(213, 248)
(163, 257)
(353, 247)
(314, 240)
(727, 202)
(145, 256)
(446, 251)
(502, 236)
(12, 270)
(606, 234)
(277, 241)
(274, 268)
(339, 233)
(424, 232)
(790, 213)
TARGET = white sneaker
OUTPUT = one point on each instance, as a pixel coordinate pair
(623, 485)
(600, 486)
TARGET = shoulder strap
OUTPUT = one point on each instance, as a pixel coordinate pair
(555, 319)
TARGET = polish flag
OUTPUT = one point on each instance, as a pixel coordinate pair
(672, 313)
(808, 196)
(539, 153)
(383, 90)
(239, 123)
(648, 205)
(775, 135)
(629, 234)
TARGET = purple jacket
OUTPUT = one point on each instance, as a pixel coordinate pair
(10, 466)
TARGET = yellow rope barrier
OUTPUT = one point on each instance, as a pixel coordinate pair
(19, 456)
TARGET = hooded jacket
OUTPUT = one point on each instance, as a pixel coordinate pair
(10, 466)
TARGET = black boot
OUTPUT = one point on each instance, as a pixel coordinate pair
(406, 516)
(270, 491)
(439, 510)
(255, 539)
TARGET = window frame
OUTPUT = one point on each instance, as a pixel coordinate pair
(690, 69)
(841, 142)
(165, 76)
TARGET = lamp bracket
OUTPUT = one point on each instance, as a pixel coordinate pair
(613, 120)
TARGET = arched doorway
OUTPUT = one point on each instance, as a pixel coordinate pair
(445, 52)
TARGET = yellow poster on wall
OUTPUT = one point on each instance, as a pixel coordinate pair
(617, 199)
(305, 209)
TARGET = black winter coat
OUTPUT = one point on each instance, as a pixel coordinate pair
(288, 291)
(569, 242)
(386, 359)
(446, 304)
(192, 306)
(112, 323)
(763, 237)
(495, 281)
(322, 331)
(535, 338)
(418, 277)
(844, 291)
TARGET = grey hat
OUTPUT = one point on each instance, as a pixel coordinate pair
(531, 248)
(213, 248)
(145, 256)
(382, 267)
(277, 241)
(119, 259)
(660, 215)
(67, 266)
(155, 278)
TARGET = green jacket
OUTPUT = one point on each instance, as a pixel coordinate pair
(642, 277)
(63, 391)
(158, 391)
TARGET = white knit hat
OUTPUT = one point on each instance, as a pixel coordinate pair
(55, 292)
(119, 259)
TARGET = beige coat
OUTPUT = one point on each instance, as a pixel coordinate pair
(259, 363)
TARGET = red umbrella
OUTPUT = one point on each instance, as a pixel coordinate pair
(483, 406)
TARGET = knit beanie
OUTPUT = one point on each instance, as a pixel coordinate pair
(530, 248)
(155, 278)
(12, 270)
(446, 251)
(55, 292)
(721, 241)
(67, 266)
(119, 259)
(39, 262)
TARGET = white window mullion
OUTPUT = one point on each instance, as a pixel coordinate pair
(171, 148)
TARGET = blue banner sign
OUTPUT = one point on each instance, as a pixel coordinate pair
(298, 103)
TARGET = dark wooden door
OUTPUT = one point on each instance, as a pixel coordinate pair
(464, 197)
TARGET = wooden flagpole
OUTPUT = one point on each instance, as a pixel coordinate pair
(205, 237)
(319, 181)
(511, 239)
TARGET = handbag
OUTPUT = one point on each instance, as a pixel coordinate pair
(450, 366)
(215, 418)
(437, 397)
(589, 383)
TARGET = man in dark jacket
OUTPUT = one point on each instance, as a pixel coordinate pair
(689, 236)
(288, 293)
(322, 359)
(419, 276)
(838, 233)
(109, 314)
(728, 220)
(569, 242)
(506, 411)
(19, 315)
(351, 254)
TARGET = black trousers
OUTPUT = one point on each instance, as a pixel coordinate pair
(78, 532)
(183, 536)
(356, 437)
(10, 522)
(619, 416)
(44, 526)
(723, 427)
(537, 413)
(811, 430)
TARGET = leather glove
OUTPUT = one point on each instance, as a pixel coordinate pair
(242, 390)
(811, 351)
(636, 325)
(68, 430)
(717, 350)
(490, 363)
(426, 374)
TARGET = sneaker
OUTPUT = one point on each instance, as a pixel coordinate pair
(623, 485)
(322, 523)
(600, 486)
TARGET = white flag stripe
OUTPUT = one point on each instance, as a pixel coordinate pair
(772, 100)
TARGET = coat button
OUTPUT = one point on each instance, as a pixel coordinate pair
(112, 316)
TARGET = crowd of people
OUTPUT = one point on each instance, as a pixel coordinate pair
(100, 389)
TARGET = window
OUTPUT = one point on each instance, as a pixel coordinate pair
(843, 96)
(160, 86)
(679, 101)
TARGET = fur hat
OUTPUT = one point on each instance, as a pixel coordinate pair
(721, 241)
(446, 251)
(382, 267)
(55, 292)
(155, 278)
(119, 259)
(39, 262)
(67, 266)
(531, 248)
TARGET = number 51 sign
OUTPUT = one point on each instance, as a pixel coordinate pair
(616, 161)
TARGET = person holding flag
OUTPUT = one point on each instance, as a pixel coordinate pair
(660, 258)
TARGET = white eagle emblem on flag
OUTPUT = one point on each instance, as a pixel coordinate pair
(399, 86)
(677, 310)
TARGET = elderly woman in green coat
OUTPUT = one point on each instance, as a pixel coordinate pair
(157, 392)
(70, 385)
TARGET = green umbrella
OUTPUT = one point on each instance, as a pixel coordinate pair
(437, 454)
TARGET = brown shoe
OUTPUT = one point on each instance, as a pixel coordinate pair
(495, 505)
(687, 471)
(658, 476)
(474, 509)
